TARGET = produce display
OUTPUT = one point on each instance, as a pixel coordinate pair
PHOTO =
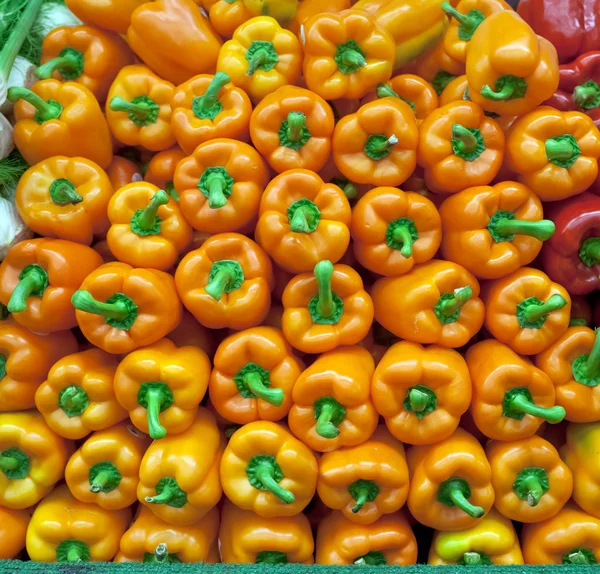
(300, 281)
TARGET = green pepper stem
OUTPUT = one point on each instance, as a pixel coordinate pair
(418, 400)
(99, 482)
(468, 22)
(584, 94)
(208, 100)
(167, 494)
(74, 555)
(401, 234)
(296, 123)
(559, 149)
(505, 93)
(381, 147)
(302, 220)
(146, 219)
(592, 363)
(216, 186)
(385, 91)
(45, 110)
(350, 190)
(551, 415)
(591, 247)
(155, 398)
(219, 283)
(534, 490)
(323, 272)
(361, 496)
(535, 312)
(62, 192)
(578, 558)
(254, 382)
(542, 229)
(325, 427)
(260, 57)
(465, 139)
(353, 58)
(141, 110)
(472, 558)
(578, 322)
(32, 281)
(9, 463)
(66, 63)
(451, 305)
(460, 501)
(264, 473)
(83, 301)
(74, 398)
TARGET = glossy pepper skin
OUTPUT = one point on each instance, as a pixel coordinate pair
(122, 171)
(326, 309)
(456, 89)
(572, 364)
(32, 459)
(421, 392)
(393, 230)
(267, 470)
(226, 282)
(119, 308)
(366, 481)
(253, 376)
(332, 403)
(220, 186)
(494, 230)
(435, 303)
(571, 26)
(511, 397)
(63, 529)
(459, 147)
(77, 396)
(437, 67)
(161, 170)
(346, 55)
(303, 220)
(104, 470)
(190, 332)
(526, 310)
(570, 257)
(138, 109)
(554, 153)
(261, 57)
(112, 15)
(150, 539)
(247, 538)
(530, 480)
(161, 387)
(389, 540)
(579, 452)
(65, 198)
(378, 143)
(55, 118)
(309, 8)
(510, 70)
(179, 476)
(147, 227)
(570, 537)
(207, 107)
(492, 540)
(85, 55)
(14, 530)
(451, 485)
(38, 278)
(174, 39)
(292, 128)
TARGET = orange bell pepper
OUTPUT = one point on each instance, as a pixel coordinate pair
(138, 109)
(511, 397)
(526, 310)
(25, 359)
(421, 392)
(261, 57)
(347, 54)
(220, 186)
(367, 481)
(456, 90)
(465, 18)
(161, 386)
(63, 529)
(105, 469)
(209, 107)
(572, 362)
(309, 8)
(32, 459)
(292, 128)
(459, 147)
(147, 227)
(38, 278)
(179, 475)
(119, 308)
(66, 198)
(112, 15)
(530, 480)
(150, 539)
(332, 401)
(161, 170)
(226, 283)
(450, 485)
(174, 39)
(389, 540)
(253, 375)
(435, 303)
(78, 395)
(122, 171)
(378, 143)
(393, 230)
(570, 537)
(303, 220)
(510, 70)
(326, 309)
(437, 67)
(266, 470)
(554, 153)
(493, 231)
(60, 119)
(247, 538)
(14, 529)
(85, 55)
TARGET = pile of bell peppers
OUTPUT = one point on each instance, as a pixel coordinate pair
(304, 276)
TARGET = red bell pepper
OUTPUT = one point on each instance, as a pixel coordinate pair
(571, 256)
(573, 26)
